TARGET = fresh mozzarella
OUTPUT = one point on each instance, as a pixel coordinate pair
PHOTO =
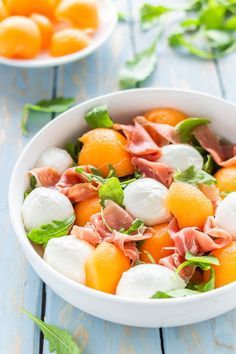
(67, 255)
(226, 214)
(145, 199)
(44, 205)
(56, 158)
(144, 280)
(181, 156)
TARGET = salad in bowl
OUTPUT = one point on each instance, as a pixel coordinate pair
(139, 209)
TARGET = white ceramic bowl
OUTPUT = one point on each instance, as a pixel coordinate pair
(108, 20)
(122, 107)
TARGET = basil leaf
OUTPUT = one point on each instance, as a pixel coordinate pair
(99, 117)
(209, 165)
(33, 183)
(55, 105)
(149, 14)
(139, 68)
(112, 190)
(185, 128)
(194, 177)
(209, 285)
(56, 228)
(60, 341)
(202, 259)
(73, 149)
(174, 293)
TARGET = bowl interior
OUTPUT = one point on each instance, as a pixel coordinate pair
(123, 106)
(108, 19)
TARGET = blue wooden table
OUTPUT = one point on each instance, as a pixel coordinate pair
(19, 285)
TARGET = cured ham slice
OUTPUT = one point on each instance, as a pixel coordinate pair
(68, 179)
(162, 134)
(156, 170)
(222, 154)
(212, 193)
(139, 142)
(45, 176)
(86, 234)
(127, 242)
(82, 191)
(116, 217)
(191, 239)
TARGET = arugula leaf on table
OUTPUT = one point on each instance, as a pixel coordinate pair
(60, 341)
(212, 16)
(149, 14)
(194, 177)
(174, 293)
(55, 105)
(99, 117)
(112, 190)
(32, 186)
(54, 229)
(185, 128)
(139, 68)
(122, 17)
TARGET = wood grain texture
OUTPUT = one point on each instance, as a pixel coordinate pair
(20, 286)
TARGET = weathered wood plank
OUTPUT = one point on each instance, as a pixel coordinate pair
(88, 78)
(20, 286)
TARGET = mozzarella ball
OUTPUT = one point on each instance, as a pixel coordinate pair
(144, 280)
(67, 255)
(226, 214)
(181, 157)
(54, 157)
(145, 199)
(44, 205)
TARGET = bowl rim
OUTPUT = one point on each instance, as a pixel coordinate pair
(55, 61)
(71, 283)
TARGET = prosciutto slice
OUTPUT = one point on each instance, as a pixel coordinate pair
(139, 142)
(116, 217)
(191, 239)
(86, 233)
(222, 154)
(162, 134)
(127, 242)
(69, 178)
(45, 176)
(156, 170)
(82, 191)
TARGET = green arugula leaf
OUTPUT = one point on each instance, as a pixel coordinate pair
(139, 68)
(174, 293)
(96, 176)
(209, 164)
(55, 105)
(190, 23)
(202, 259)
(150, 14)
(73, 149)
(212, 16)
(136, 225)
(56, 228)
(185, 128)
(60, 341)
(112, 190)
(33, 183)
(230, 24)
(219, 40)
(209, 285)
(99, 117)
(194, 177)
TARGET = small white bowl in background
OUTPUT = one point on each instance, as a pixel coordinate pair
(108, 20)
(123, 106)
